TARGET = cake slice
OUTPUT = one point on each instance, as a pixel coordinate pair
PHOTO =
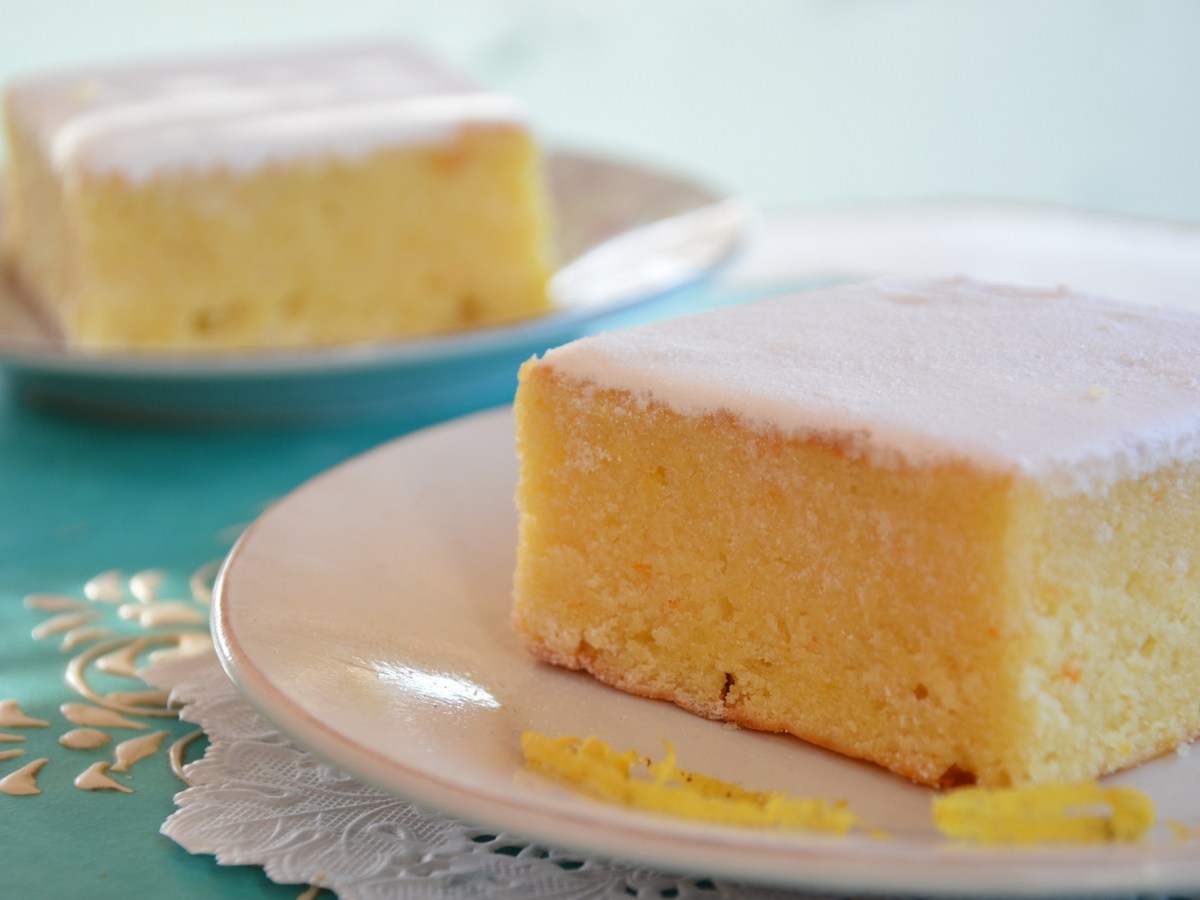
(949, 527)
(307, 197)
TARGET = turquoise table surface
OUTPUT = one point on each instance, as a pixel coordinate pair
(82, 497)
(78, 498)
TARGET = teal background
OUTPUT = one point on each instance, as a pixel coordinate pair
(792, 103)
(1087, 103)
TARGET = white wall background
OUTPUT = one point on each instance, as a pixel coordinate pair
(1088, 103)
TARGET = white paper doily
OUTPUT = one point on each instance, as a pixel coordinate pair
(255, 799)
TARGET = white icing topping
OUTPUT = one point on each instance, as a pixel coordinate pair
(134, 750)
(139, 698)
(96, 778)
(145, 584)
(54, 603)
(107, 587)
(84, 634)
(122, 661)
(62, 622)
(139, 121)
(163, 612)
(83, 714)
(12, 716)
(84, 738)
(177, 751)
(23, 781)
(1046, 383)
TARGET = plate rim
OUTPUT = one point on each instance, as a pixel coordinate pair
(802, 861)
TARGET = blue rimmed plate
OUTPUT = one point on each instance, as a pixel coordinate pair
(629, 236)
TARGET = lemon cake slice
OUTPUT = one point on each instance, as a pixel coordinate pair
(307, 197)
(949, 527)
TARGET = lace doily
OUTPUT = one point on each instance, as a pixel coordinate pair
(256, 799)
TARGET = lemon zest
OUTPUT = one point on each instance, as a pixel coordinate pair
(628, 779)
(1084, 813)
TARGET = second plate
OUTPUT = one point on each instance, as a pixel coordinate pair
(628, 235)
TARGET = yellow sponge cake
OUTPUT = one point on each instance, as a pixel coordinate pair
(949, 527)
(306, 197)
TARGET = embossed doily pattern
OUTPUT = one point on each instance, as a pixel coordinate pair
(256, 799)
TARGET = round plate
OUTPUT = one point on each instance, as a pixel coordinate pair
(366, 615)
(628, 235)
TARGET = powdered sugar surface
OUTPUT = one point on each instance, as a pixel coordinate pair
(1041, 382)
(241, 112)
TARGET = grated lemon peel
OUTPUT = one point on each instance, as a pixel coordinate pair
(1054, 813)
(1086, 813)
(629, 779)
(1182, 832)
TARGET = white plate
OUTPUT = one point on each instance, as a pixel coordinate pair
(628, 235)
(1134, 259)
(366, 615)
